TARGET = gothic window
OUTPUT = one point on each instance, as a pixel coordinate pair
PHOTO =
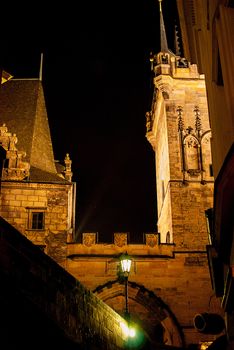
(168, 238)
(192, 158)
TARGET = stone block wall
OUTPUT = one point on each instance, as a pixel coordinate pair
(167, 287)
(59, 297)
(20, 199)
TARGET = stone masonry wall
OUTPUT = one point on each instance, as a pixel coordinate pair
(177, 280)
(19, 199)
(59, 296)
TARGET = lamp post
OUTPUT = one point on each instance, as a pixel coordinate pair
(126, 262)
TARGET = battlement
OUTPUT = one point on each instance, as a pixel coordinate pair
(89, 246)
(120, 239)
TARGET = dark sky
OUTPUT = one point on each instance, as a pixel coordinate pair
(97, 85)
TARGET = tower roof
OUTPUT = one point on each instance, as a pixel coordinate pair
(163, 35)
(23, 110)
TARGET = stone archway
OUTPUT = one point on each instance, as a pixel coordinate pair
(146, 309)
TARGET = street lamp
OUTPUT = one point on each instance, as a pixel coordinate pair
(126, 262)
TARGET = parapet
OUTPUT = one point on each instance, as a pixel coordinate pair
(120, 239)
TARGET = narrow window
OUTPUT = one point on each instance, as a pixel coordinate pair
(219, 72)
(211, 170)
(163, 190)
(168, 238)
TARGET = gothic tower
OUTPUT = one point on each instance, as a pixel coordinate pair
(179, 132)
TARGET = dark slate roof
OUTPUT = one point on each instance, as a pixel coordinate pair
(23, 110)
(38, 175)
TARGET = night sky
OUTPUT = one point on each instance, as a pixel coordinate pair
(98, 87)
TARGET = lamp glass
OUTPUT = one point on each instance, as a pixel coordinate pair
(126, 264)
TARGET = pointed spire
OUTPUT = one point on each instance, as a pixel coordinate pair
(163, 36)
(41, 67)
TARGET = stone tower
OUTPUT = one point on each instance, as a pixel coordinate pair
(179, 131)
(169, 281)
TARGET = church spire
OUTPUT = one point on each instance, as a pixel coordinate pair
(163, 36)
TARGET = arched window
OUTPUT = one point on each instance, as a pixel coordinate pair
(168, 238)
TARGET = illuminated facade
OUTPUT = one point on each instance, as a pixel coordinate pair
(37, 193)
(169, 281)
(207, 32)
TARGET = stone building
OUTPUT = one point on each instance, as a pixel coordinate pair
(37, 193)
(207, 33)
(169, 281)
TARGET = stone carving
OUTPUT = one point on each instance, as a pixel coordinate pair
(151, 239)
(120, 239)
(56, 199)
(192, 146)
(68, 171)
(198, 125)
(12, 142)
(89, 239)
(149, 123)
(182, 63)
(13, 167)
(192, 151)
(180, 119)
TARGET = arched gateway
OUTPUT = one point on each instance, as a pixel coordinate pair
(145, 308)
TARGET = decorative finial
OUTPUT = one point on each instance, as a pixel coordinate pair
(68, 171)
(177, 45)
(180, 119)
(198, 125)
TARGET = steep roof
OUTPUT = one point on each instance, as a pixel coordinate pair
(23, 110)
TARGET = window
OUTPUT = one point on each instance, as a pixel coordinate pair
(36, 218)
(168, 238)
(219, 79)
(37, 221)
(211, 170)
